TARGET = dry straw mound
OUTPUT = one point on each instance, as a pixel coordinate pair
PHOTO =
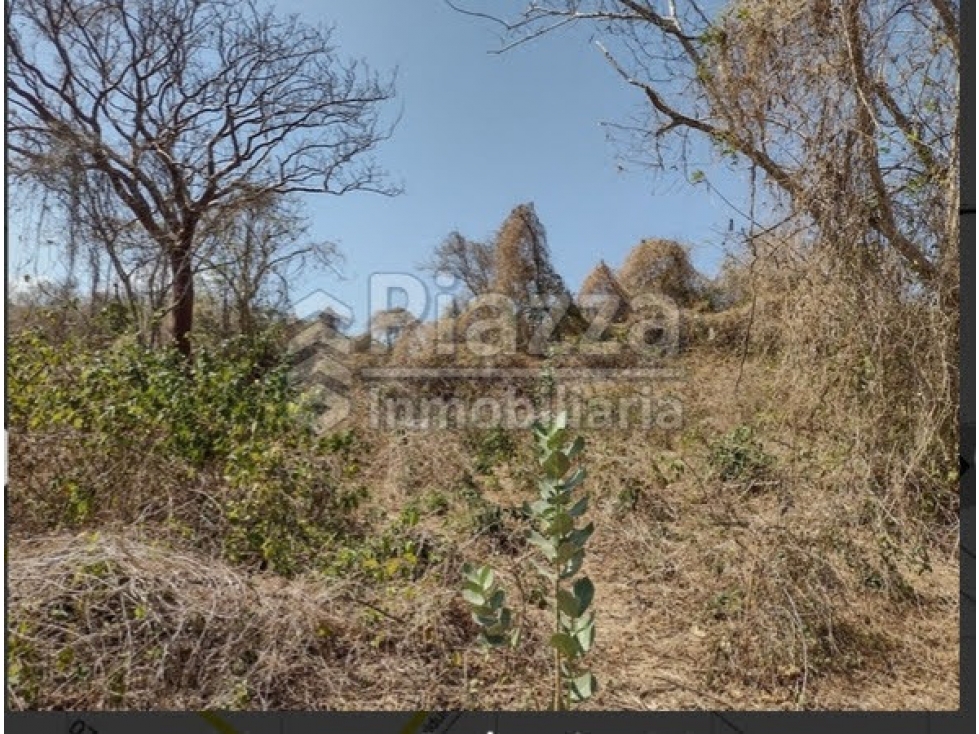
(160, 628)
(601, 281)
(662, 267)
(100, 621)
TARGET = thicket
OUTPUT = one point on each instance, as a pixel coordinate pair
(219, 451)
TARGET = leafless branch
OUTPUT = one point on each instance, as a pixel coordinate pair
(189, 109)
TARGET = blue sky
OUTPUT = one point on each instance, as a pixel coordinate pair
(480, 133)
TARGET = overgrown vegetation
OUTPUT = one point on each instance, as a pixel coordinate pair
(780, 536)
(776, 526)
(219, 447)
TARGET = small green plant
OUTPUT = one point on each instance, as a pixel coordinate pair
(342, 442)
(491, 448)
(78, 503)
(739, 456)
(488, 601)
(728, 604)
(628, 497)
(555, 530)
(545, 386)
(393, 554)
(410, 516)
(484, 516)
(435, 503)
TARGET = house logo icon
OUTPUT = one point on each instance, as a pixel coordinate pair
(318, 352)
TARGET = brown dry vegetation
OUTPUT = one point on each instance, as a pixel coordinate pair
(791, 545)
(177, 538)
(660, 266)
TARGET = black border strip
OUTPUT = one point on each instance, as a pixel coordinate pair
(693, 722)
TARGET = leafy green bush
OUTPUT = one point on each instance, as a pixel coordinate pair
(399, 552)
(231, 415)
(126, 393)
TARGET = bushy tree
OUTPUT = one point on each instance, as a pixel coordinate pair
(600, 285)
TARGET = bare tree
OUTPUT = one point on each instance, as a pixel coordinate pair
(102, 240)
(515, 262)
(136, 263)
(387, 326)
(256, 255)
(849, 108)
(188, 110)
(468, 261)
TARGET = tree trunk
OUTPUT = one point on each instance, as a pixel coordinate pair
(246, 319)
(183, 296)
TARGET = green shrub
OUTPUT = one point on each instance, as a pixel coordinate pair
(490, 448)
(435, 503)
(127, 393)
(739, 456)
(396, 553)
(232, 415)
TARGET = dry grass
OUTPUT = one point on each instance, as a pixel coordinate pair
(105, 621)
(792, 545)
(709, 596)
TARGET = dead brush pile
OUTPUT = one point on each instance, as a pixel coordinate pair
(661, 267)
(155, 628)
(869, 366)
(64, 479)
(101, 621)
